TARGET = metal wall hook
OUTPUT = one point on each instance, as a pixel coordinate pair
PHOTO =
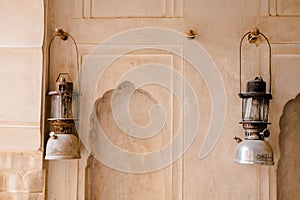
(253, 36)
(61, 33)
(191, 34)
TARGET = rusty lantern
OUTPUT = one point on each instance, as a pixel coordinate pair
(63, 142)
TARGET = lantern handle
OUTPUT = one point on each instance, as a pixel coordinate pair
(252, 38)
(64, 36)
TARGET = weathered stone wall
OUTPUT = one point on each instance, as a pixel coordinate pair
(21, 58)
(221, 25)
(288, 174)
(21, 175)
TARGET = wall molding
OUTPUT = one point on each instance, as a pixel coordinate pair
(280, 8)
(19, 137)
(100, 9)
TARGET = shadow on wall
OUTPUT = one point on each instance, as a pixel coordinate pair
(288, 173)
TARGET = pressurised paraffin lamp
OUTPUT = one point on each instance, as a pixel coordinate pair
(63, 142)
(254, 149)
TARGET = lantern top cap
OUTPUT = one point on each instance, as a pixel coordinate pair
(256, 85)
(63, 77)
(64, 83)
(256, 88)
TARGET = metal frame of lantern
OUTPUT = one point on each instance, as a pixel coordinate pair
(254, 149)
(63, 142)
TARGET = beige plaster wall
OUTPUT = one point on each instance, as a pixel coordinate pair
(220, 25)
(21, 58)
(288, 177)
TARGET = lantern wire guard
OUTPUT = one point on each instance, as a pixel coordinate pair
(254, 149)
(64, 36)
(63, 142)
(252, 38)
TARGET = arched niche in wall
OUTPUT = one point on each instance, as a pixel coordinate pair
(103, 182)
(288, 173)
